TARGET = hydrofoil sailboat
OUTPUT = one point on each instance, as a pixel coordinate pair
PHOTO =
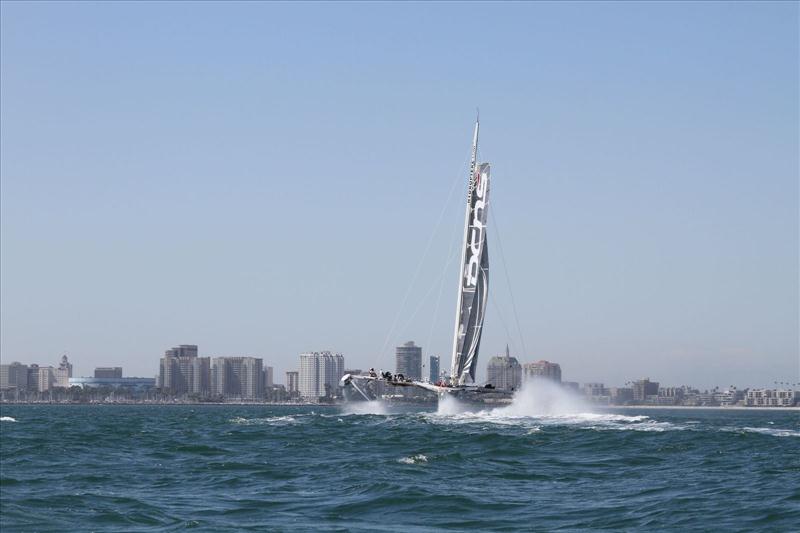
(473, 294)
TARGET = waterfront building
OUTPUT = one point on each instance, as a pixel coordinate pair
(597, 393)
(182, 372)
(772, 397)
(433, 369)
(108, 372)
(319, 374)
(14, 376)
(184, 350)
(670, 395)
(269, 377)
(134, 383)
(292, 381)
(237, 377)
(573, 386)
(542, 369)
(46, 378)
(504, 372)
(63, 373)
(408, 361)
(644, 388)
(621, 395)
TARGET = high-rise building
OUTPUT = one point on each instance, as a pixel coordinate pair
(433, 369)
(269, 376)
(643, 388)
(183, 372)
(408, 359)
(542, 369)
(108, 372)
(14, 376)
(292, 381)
(33, 377)
(319, 374)
(504, 372)
(237, 377)
(63, 373)
(184, 350)
(46, 378)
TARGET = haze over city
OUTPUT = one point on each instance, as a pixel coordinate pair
(265, 180)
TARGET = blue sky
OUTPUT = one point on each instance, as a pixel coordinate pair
(263, 179)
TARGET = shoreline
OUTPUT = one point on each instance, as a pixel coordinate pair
(313, 404)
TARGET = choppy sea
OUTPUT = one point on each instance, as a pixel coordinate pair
(372, 467)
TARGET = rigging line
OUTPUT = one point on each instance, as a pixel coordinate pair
(424, 298)
(503, 321)
(508, 281)
(453, 240)
(419, 265)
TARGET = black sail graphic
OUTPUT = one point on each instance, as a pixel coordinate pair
(473, 290)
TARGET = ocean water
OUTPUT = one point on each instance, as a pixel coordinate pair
(372, 467)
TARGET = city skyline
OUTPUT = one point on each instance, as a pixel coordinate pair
(260, 194)
(502, 371)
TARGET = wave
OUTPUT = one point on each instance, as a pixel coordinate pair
(272, 421)
(541, 403)
(7, 419)
(775, 432)
(413, 460)
(374, 407)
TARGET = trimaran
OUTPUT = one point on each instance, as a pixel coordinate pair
(473, 293)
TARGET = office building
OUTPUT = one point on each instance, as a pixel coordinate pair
(14, 376)
(63, 373)
(46, 378)
(504, 372)
(433, 369)
(237, 377)
(319, 374)
(133, 383)
(543, 370)
(408, 359)
(292, 382)
(182, 372)
(108, 372)
(644, 388)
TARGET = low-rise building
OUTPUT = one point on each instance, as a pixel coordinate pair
(542, 369)
(771, 397)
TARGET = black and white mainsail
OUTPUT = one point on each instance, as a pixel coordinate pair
(473, 284)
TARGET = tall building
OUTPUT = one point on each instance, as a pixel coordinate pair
(184, 350)
(108, 372)
(504, 372)
(237, 377)
(33, 377)
(46, 378)
(319, 374)
(433, 369)
(408, 359)
(183, 372)
(269, 376)
(292, 381)
(14, 376)
(542, 369)
(643, 388)
(63, 373)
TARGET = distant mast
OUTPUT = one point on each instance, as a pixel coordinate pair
(473, 283)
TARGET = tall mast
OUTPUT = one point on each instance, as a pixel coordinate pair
(454, 371)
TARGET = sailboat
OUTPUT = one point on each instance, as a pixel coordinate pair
(473, 294)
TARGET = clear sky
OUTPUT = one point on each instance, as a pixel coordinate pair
(264, 179)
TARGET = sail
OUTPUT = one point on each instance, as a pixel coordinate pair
(473, 285)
